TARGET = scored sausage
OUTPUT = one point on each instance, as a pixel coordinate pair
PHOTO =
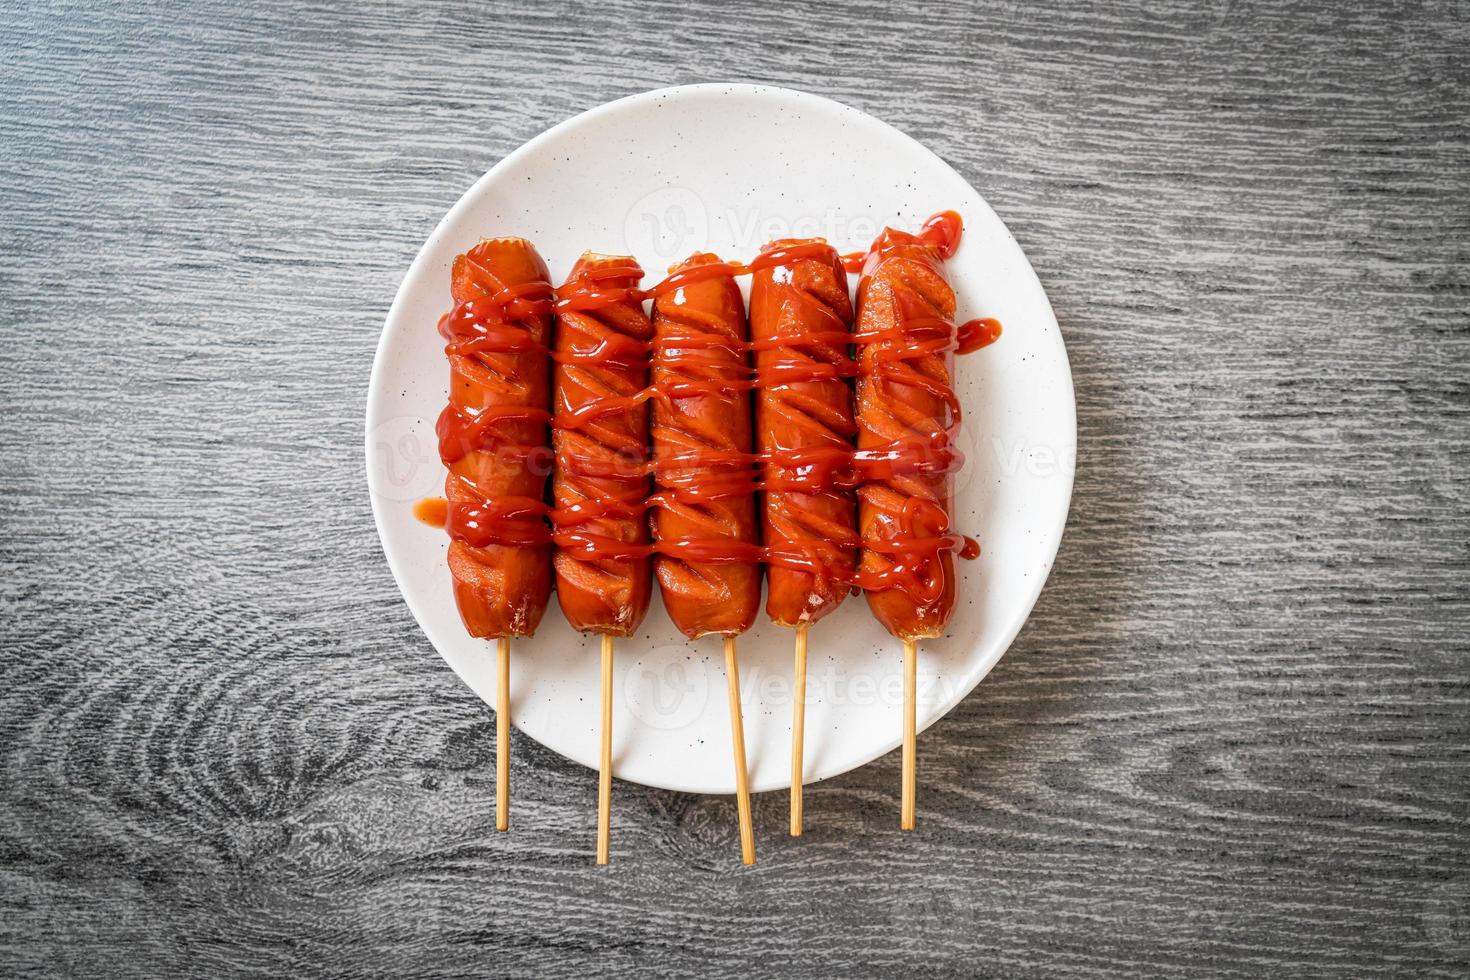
(906, 412)
(600, 434)
(705, 517)
(800, 318)
(493, 439)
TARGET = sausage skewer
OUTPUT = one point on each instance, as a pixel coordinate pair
(704, 520)
(737, 739)
(600, 434)
(493, 434)
(604, 759)
(907, 417)
(798, 727)
(492, 440)
(800, 322)
(502, 734)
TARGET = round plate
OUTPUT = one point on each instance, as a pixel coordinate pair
(726, 168)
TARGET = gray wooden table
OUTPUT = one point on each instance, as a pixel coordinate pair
(1232, 740)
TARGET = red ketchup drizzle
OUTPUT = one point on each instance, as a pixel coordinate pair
(482, 326)
(943, 232)
(914, 540)
(976, 334)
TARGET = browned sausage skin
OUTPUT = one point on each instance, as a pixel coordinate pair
(705, 506)
(493, 436)
(905, 399)
(600, 434)
(800, 316)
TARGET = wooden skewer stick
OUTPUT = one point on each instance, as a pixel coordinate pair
(910, 741)
(604, 771)
(737, 735)
(502, 736)
(798, 727)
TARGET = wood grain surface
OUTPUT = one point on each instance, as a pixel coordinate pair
(1233, 739)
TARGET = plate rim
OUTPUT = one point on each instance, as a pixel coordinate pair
(1032, 284)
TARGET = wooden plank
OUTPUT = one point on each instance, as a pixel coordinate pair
(1232, 740)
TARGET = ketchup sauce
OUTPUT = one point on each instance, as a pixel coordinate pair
(489, 325)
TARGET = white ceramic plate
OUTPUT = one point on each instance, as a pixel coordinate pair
(726, 168)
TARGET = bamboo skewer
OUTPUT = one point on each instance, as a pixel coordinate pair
(502, 736)
(798, 728)
(737, 735)
(604, 771)
(910, 741)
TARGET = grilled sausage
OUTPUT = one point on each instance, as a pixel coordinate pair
(800, 316)
(705, 517)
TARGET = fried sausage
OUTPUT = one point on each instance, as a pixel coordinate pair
(702, 443)
(600, 434)
(493, 437)
(803, 403)
(906, 412)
